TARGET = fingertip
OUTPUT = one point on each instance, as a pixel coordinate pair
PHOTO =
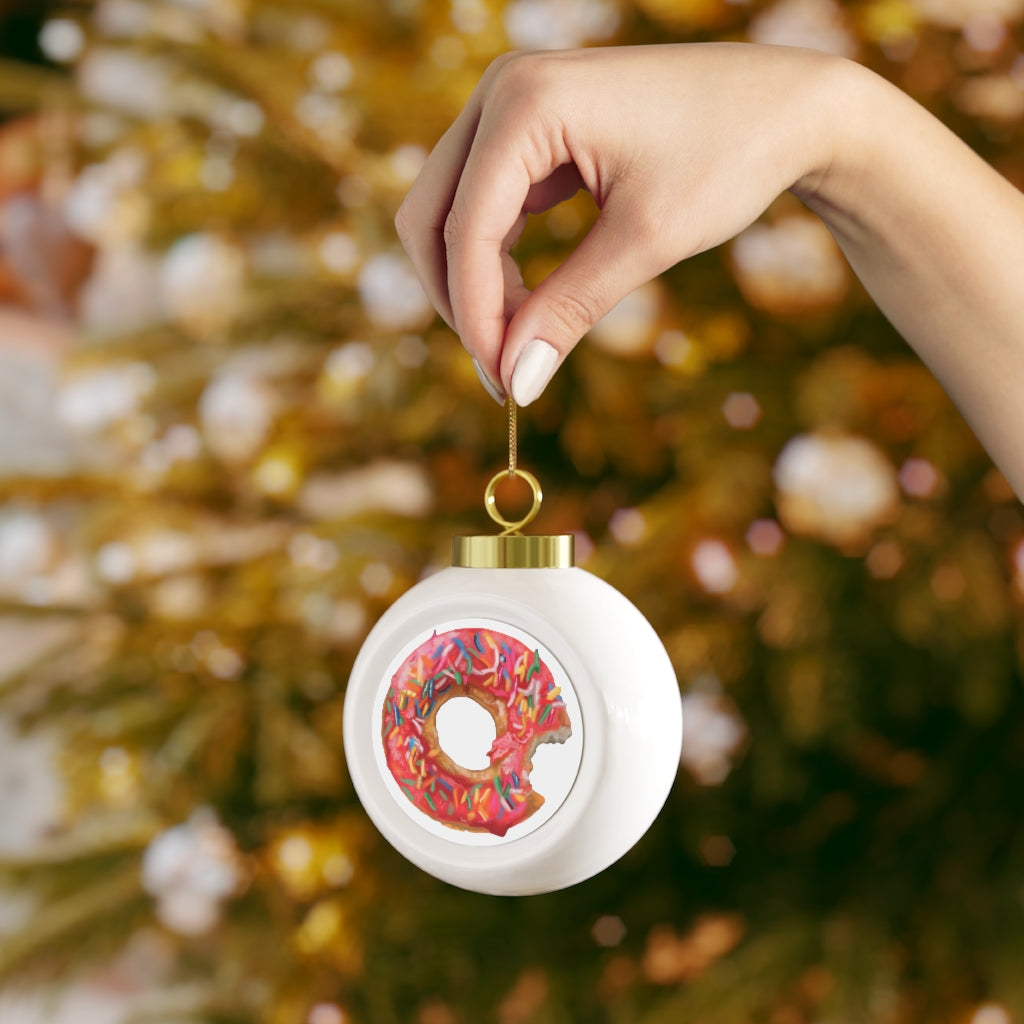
(533, 370)
(532, 351)
(494, 390)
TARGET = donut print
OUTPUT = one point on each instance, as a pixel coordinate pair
(509, 680)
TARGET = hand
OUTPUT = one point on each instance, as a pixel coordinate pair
(684, 146)
(681, 147)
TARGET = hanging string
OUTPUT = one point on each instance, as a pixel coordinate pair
(513, 436)
(511, 526)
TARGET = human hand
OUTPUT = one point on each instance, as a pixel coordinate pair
(684, 146)
(681, 146)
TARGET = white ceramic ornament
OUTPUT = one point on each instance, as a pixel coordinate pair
(513, 723)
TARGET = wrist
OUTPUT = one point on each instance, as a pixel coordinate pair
(844, 106)
(879, 180)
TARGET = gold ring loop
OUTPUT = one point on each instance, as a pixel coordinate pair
(491, 504)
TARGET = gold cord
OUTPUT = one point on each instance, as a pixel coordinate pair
(490, 501)
(513, 436)
(510, 549)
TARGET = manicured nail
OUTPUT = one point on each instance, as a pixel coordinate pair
(534, 369)
(489, 386)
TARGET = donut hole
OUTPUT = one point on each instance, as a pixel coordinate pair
(466, 732)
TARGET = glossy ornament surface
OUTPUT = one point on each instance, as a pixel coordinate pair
(568, 634)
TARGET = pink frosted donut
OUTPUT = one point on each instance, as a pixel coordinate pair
(508, 679)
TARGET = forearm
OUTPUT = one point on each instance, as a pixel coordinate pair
(937, 238)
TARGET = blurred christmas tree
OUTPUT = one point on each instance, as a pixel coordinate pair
(266, 437)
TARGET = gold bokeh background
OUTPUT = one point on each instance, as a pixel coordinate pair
(234, 432)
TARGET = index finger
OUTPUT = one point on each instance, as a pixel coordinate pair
(421, 218)
(504, 163)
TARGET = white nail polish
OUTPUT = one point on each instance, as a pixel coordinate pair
(534, 369)
(489, 386)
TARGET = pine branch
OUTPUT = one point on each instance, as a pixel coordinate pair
(23, 85)
(69, 925)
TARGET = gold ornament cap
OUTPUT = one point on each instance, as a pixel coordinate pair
(510, 549)
(513, 551)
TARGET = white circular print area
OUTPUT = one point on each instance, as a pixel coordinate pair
(501, 710)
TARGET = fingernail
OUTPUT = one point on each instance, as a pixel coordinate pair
(489, 386)
(534, 369)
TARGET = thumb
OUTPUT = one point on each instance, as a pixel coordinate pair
(608, 264)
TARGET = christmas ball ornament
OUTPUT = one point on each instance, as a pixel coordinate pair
(512, 723)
